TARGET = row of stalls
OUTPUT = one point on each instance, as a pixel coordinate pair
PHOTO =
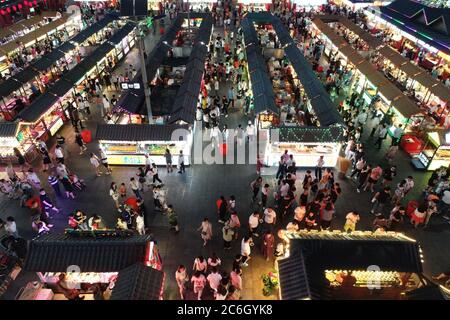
(25, 86)
(419, 30)
(429, 93)
(101, 264)
(293, 111)
(360, 265)
(175, 70)
(421, 118)
(47, 113)
(13, 48)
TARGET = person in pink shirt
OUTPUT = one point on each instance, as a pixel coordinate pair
(199, 282)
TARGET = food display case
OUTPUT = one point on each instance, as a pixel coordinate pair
(176, 138)
(305, 154)
(364, 278)
(435, 152)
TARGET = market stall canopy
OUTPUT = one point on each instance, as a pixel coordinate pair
(390, 91)
(76, 74)
(132, 101)
(394, 57)
(426, 80)
(101, 52)
(138, 282)
(406, 107)
(61, 88)
(26, 75)
(264, 103)
(8, 129)
(352, 55)
(66, 47)
(122, 33)
(321, 103)
(139, 132)
(293, 276)
(9, 86)
(186, 100)
(38, 108)
(414, 71)
(311, 134)
(33, 35)
(371, 41)
(441, 91)
(92, 29)
(43, 63)
(56, 252)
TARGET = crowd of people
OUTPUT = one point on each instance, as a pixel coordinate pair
(292, 201)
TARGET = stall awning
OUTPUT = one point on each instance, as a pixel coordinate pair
(9, 86)
(372, 41)
(66, 47)
(61, 88)
(352, 55)
(390, 91)
(76, 74)
(56, 252)
(294, 283)
(406, 106)
(101, 52)
(26, 75)
(414, 71)
(184, 108)
(441, 91)
(122, 33)
(38, 108)
(311, 134)
(425, 79)
(132, 101)
(8, 129)
(138, 282)
(42, 64)
(137, 132)
(81, 37)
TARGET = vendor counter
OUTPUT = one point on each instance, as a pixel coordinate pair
(141, 140)
(305, 154)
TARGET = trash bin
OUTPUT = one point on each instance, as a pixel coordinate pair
(86, 135)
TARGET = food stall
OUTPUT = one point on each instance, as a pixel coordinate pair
(306, 144)
(387, 266)
(435, 153)
(292, 102)
(128, 144)
(109, 258)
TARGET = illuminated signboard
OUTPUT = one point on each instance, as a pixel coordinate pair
(126, 159)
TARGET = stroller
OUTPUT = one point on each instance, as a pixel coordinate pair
(77, 182)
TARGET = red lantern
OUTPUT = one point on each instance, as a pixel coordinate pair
(14, 8)
(8, 10)
(19, 6)
(25, 3)
(35, 2)
(30, 4)
(2, 12)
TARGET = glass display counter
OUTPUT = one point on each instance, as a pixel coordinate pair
(133, 153)
(305, 154)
